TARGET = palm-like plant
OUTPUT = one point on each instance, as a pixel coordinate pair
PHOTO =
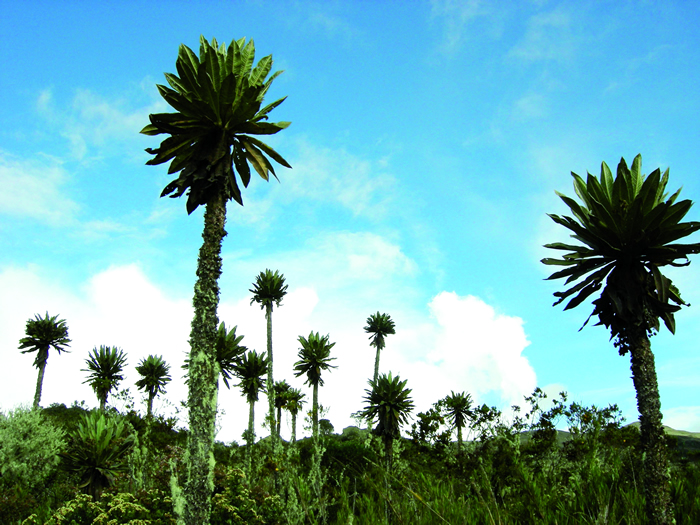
(217, 99)
(228, 351)
(314, 358)
(282, 389)
(105, 366)
(268, 290)
(97, 451)
(458, 408)
(295, 402)
(155, 374)
(389, 402)
(41, 335)
(251, 369)
(629, 228)
(379, 326)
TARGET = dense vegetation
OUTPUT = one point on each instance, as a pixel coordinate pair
(522, 472)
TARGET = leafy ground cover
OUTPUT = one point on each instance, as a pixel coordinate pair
(526, 471)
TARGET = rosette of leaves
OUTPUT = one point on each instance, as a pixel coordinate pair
(629, 228)
(97, 451)
(217, 97)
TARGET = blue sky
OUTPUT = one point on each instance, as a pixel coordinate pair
(427, 141)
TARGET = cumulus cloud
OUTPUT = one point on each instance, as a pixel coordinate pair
(462, 344)
(475, 349)
(34, 188)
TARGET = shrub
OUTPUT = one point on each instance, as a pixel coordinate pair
(29, 447)
(97, 451)
(145, 508)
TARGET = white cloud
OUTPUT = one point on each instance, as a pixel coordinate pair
(324, 174)
(116, 307)
(34, 189)
(479, 350)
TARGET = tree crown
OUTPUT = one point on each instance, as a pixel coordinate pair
(217, 97)
(628, 227)
(268, 289)
(43, 334)
(314, 358)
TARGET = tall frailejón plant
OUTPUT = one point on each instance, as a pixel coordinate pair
(628, 228)
(314, 358)
(389, 402)
(268, 290)
(458, 408)
(217, 99)
(295, 402)
(379, 326)
(41, 335)
(105, 367)
(155, 374)
(251, 369)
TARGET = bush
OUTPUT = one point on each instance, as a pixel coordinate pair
(145, 508)
(29, 448)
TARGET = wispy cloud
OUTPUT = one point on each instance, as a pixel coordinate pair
(363, 186)
(548, 36)
(96, 126)
(35, 188)
(458, 17)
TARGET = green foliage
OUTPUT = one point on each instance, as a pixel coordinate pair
(145, 508)
(154, 372)
(29, 448)
(389, 402)
(507, 475)
(228, 352)
(43, 334)
(30, 480)
(268, 289)
(105, 366)
(379, 326)
(97, 451)
(251, 369)
(314, 358)
(217, 97)
(628, 227)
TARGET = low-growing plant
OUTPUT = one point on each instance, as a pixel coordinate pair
(97, 451)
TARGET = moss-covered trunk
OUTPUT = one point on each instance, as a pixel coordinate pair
(203, 373)
(270, 377)
(294, 427)
(250, 439)
(149, 410)
(389, 453)
(314, 414)
(40, 378)
(279, 420)
(376, 362)
(655, 467)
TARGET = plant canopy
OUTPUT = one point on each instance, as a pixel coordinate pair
(217, 98)
(628, 227)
